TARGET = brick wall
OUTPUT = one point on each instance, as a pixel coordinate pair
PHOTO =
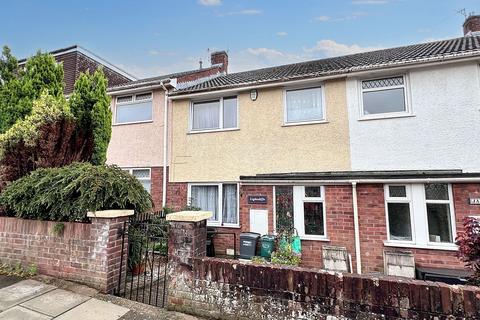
(88, 253)
(157, 186)
(225, 289)
(177, 195)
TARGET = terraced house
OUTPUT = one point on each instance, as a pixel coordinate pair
(372, 157)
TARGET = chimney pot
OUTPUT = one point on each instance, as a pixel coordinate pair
(220, 58)
(471, 26)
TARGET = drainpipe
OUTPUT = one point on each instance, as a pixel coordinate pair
(165, 148)
(356, 228)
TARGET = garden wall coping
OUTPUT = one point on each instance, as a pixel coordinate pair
(189, 216)
(110, 214)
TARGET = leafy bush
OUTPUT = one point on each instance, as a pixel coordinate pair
(20, 87)
(469, 248)
(285, 256)
(67, 193)
(42, 139)
(90, 105)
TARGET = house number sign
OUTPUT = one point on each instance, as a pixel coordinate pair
(257, 199)
(475, 201)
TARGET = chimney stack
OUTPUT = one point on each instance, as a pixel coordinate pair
(220, 58)
(471, 26)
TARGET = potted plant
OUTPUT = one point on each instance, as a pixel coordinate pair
(136, 256)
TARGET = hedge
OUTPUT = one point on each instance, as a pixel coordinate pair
(68, 193)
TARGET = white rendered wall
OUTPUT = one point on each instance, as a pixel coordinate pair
(443, 133)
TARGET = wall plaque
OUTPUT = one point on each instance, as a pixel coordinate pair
(475, 201)
(257, 199)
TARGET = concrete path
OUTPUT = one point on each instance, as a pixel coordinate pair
(31, 299)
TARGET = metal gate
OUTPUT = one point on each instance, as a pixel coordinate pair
(147, 258)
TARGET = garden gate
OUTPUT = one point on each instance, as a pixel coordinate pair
(145, 242)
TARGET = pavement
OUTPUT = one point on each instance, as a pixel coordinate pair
(44, 298)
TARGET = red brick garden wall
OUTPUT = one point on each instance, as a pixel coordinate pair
(88, 253)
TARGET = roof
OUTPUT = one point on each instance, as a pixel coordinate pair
(154, 80)
(359, 175)
(88, 53)
(406, 55)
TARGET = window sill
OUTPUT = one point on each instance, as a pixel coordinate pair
(313, 238)
(292, 124)
(444, 247)
(386, 116)
(129, 123)
(230, 226)
(213, 130)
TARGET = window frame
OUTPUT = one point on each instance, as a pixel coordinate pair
(323, 119)
(406, 199)
(419, 219)
(131, 169)
(219, 185)
(132, 102)
(385, 115)
(220, 112)
(299, 199)
(452, 216)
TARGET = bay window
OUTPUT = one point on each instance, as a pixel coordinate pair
(420, 214)
(220, 199)
(309, 212)
(304, 105)
(214, 114)
(134, 108)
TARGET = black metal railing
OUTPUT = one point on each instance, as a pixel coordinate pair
(145, 243)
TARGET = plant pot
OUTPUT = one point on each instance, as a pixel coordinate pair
(138, 269)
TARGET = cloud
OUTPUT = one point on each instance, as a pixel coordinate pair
(254, 58)
(245, 12)
(330, 48)
(323, 18)
(353, 16)
(370, 2)
(210, 2)
(160, 53)
(282, 34)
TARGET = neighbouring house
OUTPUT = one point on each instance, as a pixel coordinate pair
(372, 157)
(76, 60)
(141, 124)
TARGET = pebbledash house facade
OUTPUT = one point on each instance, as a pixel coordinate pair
(373, 157)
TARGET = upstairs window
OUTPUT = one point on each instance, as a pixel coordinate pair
(384, 96)
(214, 114)
(304, 105)
(134, 108)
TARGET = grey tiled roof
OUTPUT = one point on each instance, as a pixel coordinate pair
(153, 80)
(412, 54)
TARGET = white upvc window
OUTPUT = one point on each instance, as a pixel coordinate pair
(420, 215)
(216, 114)
(222, 199)
(384, 97)
(135, 108)
(309, 212)
(143, 175)
(304, 105)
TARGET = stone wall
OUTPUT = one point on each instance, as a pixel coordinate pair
(88, 253)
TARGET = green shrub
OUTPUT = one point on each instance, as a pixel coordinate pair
(67, 193)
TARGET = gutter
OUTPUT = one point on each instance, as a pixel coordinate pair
(359, 181)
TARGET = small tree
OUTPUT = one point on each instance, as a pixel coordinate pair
(469, 248)
(19, 87)
(90, 105)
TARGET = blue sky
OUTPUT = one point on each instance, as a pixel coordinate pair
(154, 37)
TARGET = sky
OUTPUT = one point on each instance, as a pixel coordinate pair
(155, 37)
